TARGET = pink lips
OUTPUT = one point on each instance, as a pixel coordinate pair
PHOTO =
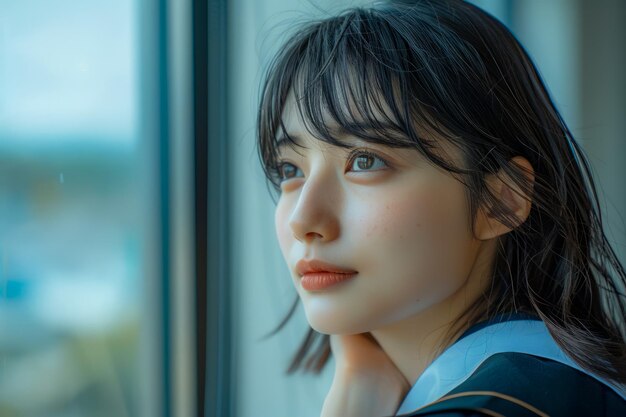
(318, 275)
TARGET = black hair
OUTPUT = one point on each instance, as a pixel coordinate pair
(446, 68)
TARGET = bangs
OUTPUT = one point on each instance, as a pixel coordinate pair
(351, 75)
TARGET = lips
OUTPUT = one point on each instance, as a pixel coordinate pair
(305, 266)
(318, 275)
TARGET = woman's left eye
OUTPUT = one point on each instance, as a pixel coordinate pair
(366, 161)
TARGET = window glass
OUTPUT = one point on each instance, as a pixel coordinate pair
(73, 204)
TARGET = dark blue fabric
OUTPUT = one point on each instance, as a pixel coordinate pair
(507, 383)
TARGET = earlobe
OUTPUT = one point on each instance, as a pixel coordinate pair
(512, 198)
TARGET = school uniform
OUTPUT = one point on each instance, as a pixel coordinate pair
(510, 366)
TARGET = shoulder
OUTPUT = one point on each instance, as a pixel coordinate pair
(518, 384)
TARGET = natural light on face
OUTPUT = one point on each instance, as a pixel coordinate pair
(387, 213)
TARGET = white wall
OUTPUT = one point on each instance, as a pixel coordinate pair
(602, 34)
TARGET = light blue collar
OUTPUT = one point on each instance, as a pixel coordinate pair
(459, 361)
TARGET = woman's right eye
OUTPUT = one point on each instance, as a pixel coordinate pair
(286, 171)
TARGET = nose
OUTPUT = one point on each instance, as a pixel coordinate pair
(316, 213)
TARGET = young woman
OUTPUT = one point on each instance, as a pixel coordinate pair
(439, 220)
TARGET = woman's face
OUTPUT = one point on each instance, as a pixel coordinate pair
(398, 221)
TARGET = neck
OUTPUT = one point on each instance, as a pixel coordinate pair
(413, 343)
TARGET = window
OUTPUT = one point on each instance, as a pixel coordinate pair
(80, 312)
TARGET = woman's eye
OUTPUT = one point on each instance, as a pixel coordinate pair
(287, 171)
(360, 161)
(365, 161)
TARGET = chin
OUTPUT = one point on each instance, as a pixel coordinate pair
(333, 325)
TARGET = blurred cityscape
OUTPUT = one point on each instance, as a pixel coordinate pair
(71, 200)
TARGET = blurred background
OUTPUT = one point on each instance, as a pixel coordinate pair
(138, 264)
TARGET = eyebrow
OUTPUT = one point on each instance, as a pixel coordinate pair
(287, 139)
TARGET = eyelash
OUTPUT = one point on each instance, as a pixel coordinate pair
(352, 157)
(362, 152)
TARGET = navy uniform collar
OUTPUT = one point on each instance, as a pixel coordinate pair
(508, 332)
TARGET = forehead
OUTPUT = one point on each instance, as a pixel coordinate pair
(300, 101)
(343, 117)
(292, 119)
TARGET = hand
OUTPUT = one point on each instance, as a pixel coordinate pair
(361, 355)
(366, 382)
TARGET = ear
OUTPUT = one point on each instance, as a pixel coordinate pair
(504, 189)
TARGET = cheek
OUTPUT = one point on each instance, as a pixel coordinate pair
(420, 218)
(419, 239)
(396, 221)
